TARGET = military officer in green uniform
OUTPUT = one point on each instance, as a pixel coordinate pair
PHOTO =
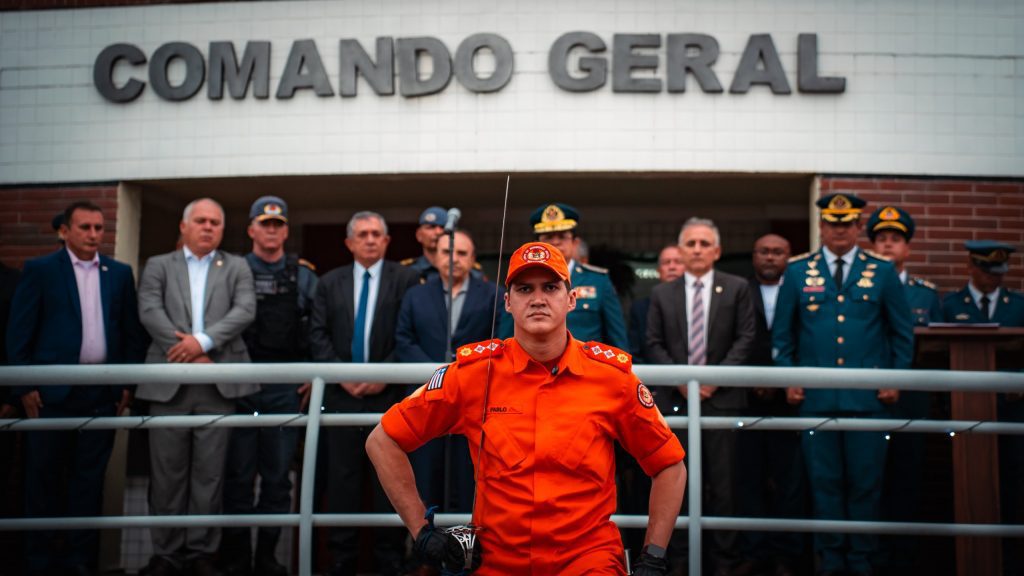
(890, 230)
(843, 307)
(598, 314)
(984, 300)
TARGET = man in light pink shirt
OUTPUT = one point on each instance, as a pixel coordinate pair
(71, 307)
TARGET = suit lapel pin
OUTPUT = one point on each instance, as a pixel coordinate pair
(967, 299)
(103, 268)
(718, 289)
(1006, 299)
(220, 262)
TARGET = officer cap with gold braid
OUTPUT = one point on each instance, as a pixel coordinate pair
(840, 208)
(989, 255)
(890, 218)
(555, 217)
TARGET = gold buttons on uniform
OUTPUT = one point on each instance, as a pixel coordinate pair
(841, 318)
(840, 340)
(841, 298)
(840, 361)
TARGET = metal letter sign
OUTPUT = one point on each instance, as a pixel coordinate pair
(423, 65)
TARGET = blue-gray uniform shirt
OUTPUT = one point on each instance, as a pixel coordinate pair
(923, 297)
(961, 307)
(865, 323)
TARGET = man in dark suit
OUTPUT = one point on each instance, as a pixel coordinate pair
(72, 307)
(704, 318)
(353, 319)
(195, 302)
(421, 336)
(771, 475)
(843, 307)
(670, 267)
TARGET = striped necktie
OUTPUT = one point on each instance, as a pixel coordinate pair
(697, 348)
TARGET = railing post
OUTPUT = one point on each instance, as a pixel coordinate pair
(693, 470)
(309, 459)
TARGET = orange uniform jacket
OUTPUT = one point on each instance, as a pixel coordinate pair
(546, 480)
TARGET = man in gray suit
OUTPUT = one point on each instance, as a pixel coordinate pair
(195, 303)
(704, 318)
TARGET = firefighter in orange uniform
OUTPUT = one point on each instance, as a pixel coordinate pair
(554, 408)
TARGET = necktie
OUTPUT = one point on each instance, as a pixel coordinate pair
(697, 348)
(359, 330)
(985, 310)
(838, 276)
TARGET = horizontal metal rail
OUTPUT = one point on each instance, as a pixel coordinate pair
(739, 423)
(733, 376)
(675, 375)
(622, 520)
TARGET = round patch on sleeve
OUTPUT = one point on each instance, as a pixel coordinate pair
(644, 395)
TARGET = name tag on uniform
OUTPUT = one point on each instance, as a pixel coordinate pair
(586, 291)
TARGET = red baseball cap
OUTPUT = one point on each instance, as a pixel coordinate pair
(537, 255)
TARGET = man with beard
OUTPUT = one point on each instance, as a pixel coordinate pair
(771, 476)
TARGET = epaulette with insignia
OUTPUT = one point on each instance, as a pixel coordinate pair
(485, 349)
(923, 282)
(800, 257)
(876, 255)
(407, 261)
(593, 268)
(608, 355)
(307, 264)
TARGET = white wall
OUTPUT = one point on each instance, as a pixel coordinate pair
(933, 87)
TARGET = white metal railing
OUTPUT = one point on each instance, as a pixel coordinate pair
(693, 376)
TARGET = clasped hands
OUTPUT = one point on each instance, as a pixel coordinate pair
(187, 350)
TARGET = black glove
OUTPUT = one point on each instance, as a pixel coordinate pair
(647, 565)
(440, 549)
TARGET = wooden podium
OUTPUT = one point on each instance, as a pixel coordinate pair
(975, 456)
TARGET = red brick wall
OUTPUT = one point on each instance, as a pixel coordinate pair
(25, 230)
(946, 213)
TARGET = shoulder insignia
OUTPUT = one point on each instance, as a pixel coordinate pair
(923, 282)
(644, 396)
(593, 268)
(608, 355)
(407, 261)
(800, 257)
(473, 352)
(307, 264)
(876, 255)
(437, 380)
(477, 266)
